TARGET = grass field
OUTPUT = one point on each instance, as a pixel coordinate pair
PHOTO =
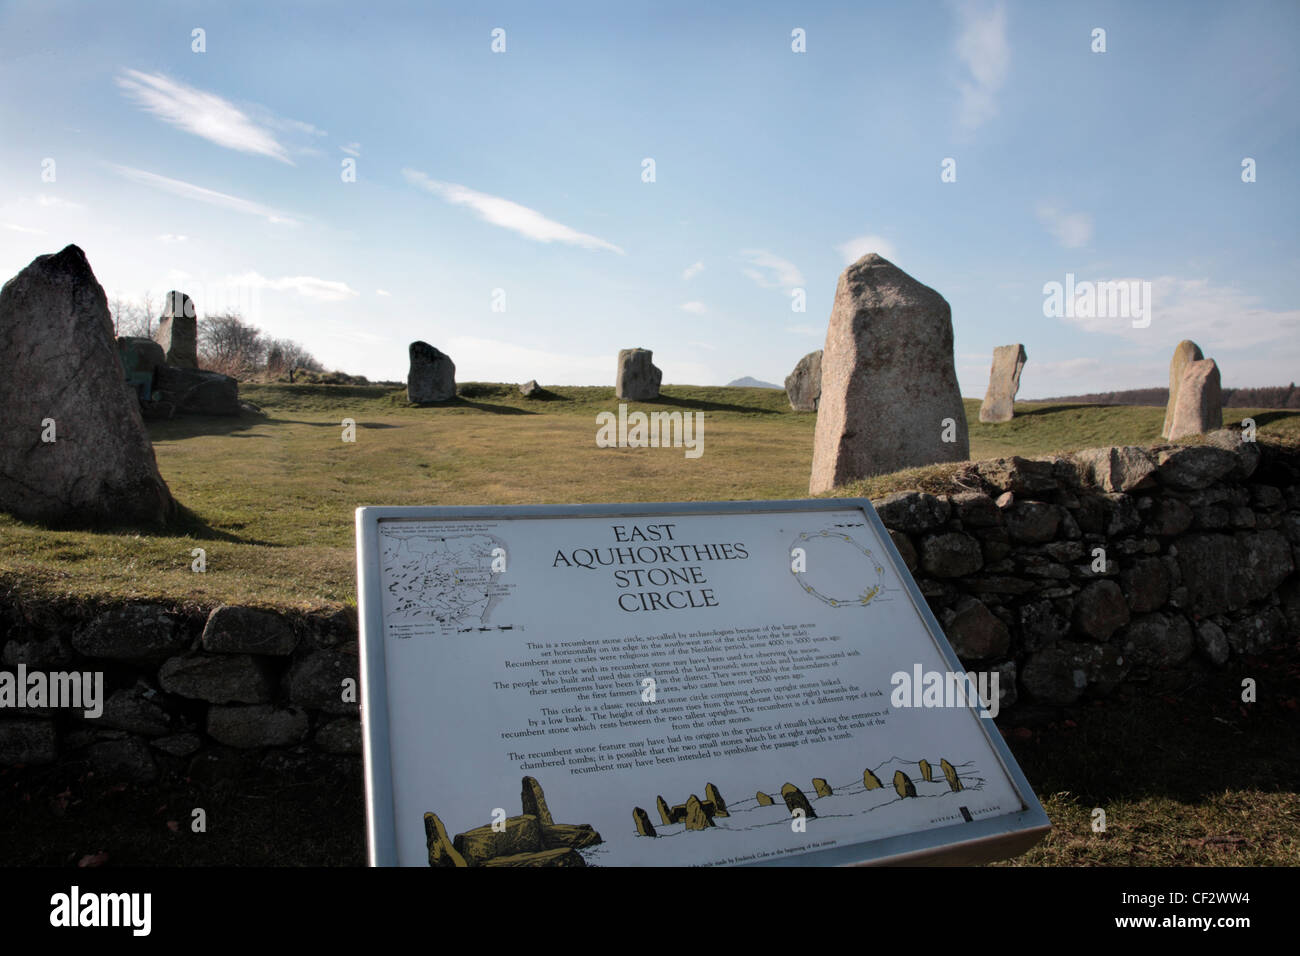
(270, 497)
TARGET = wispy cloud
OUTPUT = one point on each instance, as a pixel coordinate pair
(695, 308)
(352, 149)
(323, 290)
(770, 271)
(692, 271)
(201, 194)
(383, 292)
(207, 115)
(1218, 318)
(983, 48)
(855, 249)
(805, 330)
(27, 229)
(507, 214)
(170, 237)
(1072, 230)
(56, 202)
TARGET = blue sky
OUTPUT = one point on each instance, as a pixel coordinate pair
(219, 173)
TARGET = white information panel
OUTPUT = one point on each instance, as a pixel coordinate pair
(668, 684)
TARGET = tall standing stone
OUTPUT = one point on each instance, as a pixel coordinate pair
(889, 387)
(1200, 401)
(73, 446)
(803, 386)
(178, 331)
(1186, 351)
(432, 377)
(638, 377)
(1004, 382)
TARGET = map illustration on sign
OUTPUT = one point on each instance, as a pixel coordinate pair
(443, 583)
(836, 568)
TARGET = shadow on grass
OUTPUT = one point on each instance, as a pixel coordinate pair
(709, 406)
(1263, 418)
(1052, 409)
(460, 402)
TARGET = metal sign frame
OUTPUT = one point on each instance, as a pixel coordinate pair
(976, 842)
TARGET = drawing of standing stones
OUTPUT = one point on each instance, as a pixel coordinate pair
(441, 851)
(665, 813)
(712, 795)
(903, 784)
(1200, 401)
(533, 801)
(803, 386)
(889, 387)
(643, 825)
(432, 377)
(927, 772)
(1004, 382)
(822, 787)
(796, 800)
(73, 446)
(697, 818)
(638, 377)
(178, 331)
(949, 771)
(870, 780)
(1185, 352)
(763, 799)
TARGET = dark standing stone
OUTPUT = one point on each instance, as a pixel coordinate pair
(643, 825)
(803, 386)
(197, 392)
(533, 802)
(638, 377)
(432, 377)
(61, 363)
(795, 799)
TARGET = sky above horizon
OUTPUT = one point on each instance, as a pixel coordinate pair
(518, 179)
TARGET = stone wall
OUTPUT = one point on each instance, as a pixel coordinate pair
(1201, 546)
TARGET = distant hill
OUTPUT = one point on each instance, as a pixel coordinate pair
(750, 382)
(1277, 396)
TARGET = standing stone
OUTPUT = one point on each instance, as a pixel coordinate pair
(178, 331)
(533, 801)
(432, 377)
(803, 386)
(712, 795)
(889, 387)
(63, 380)
(141, 358)
(870, 781)
(697, 818)
(530, 389)
(665, 812)
(643, 825)
(950, 772)
(1186, 351)
(1004, 382)
(927, 772)
(441, 850)
(764, 800)
(822, 787)
(638, 378)
(795, 799)
(903, 784)
(1200, 401)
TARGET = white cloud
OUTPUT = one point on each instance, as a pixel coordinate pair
(692, 271)
(507, 214)
(383, 292)
(201, 194)
(205, 114)
(323, 290)
(1071, 230)
(169, 237)
(695, 308)
(982, 46)
(352, 149)
(1218, 318)
(770, 271)
(855, 249)
(56, 202)
(17, 228)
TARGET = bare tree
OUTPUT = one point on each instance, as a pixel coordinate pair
(229, 345)
(286, 355)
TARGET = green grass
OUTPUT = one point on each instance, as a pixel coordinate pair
(270, 497)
